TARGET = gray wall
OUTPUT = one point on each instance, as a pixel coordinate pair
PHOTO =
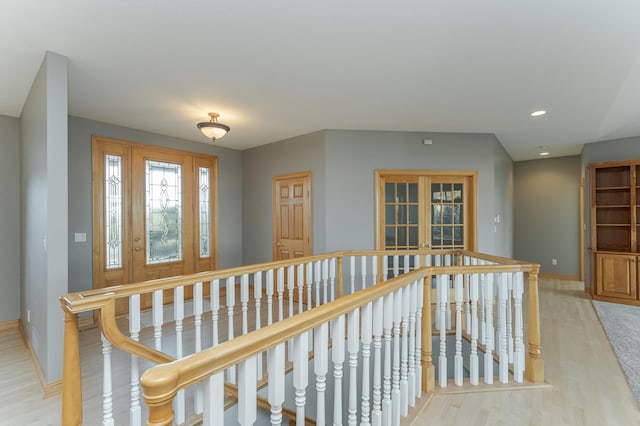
(343, 164)
(43, 182)
(547, 220)
(80, 215)
(10, 214)
(611, 150)
(300, 154)
(352, 157)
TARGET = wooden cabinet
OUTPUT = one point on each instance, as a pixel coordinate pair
(615, 230)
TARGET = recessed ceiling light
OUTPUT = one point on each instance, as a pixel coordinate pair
(543, 151)
(538, 113)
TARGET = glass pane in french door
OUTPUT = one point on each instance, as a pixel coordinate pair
(163, 205)
(401, 221)
(447, 215)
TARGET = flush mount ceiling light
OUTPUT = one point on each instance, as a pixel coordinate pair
(538, 113)
(543, 151)
(212, 129)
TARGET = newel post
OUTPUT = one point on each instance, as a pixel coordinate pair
(534, 364)
(71, 375)
(159, 385)
(428, 370)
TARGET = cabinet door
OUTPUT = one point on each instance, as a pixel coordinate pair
(617, 275)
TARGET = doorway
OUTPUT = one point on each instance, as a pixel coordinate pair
(291, 206)
(154, 212)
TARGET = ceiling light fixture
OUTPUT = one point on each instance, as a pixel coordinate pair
(538, 113)
(543, 151)
(212, 129)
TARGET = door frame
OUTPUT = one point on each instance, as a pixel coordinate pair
(307, 214)
(472, 193)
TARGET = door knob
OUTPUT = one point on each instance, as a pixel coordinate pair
(136, 239)
(279, 244)
(137, 248)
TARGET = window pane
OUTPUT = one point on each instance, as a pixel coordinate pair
(402, 236)
(402, 193)
(113, 211)
(457, 192)
(436, 196)
(436, 217)
(390, 236)
(389, 192)
(447, 238)
(436, 237)
(446, 214)
(205, 213)
(446, 190)
(163, 212)
(389, 215)
(402, 214)
(413, 236)
(457, 235)
(413, 192)
(413, 215)
(457, 215)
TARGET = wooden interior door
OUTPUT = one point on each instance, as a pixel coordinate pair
(291, 216)
(154, 213)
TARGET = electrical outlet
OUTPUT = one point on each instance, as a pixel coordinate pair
(554, 261)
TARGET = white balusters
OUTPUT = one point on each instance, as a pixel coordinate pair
(378, 314)
(481, 314)
(374, 270)
(488, 306)
(309, 281)
(337, 357)
(332, 277)
(365, 337)
(518, 357)
(320, 367)
(214, 292)
(135, 412)
(386, 383)
(178, 316)
(107, 388)
(246, 392)
(413, 304)
(198, 309)
(352, 273)
(419, 306)
(257, 295)
(275, 368)
(214, 401)
(316, 280)
(385, 268)
(300, 374)
(503, 294)
(509, 317)
(269, 292)
(158, 318)
(396, 265)
(395, 377)
(325, 280)
(443, 295)
(291, 282)
(404, 356)
(231, 301)
(300, 282)
(280, 290)
(244, 302)
(353, 345)
(473, 361)
(458, 373)
(363, 271)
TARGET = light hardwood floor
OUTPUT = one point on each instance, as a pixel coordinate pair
(589, 387)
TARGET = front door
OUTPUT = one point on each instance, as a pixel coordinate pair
(291, 216)
(154, 213)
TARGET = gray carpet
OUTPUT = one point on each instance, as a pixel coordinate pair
(622, 324)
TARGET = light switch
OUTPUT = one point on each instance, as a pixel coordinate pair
(80, 237)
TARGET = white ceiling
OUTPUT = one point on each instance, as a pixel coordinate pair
(280, 68)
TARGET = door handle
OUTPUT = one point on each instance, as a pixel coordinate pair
(137, 248)
(136, 239)
(279, 244)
